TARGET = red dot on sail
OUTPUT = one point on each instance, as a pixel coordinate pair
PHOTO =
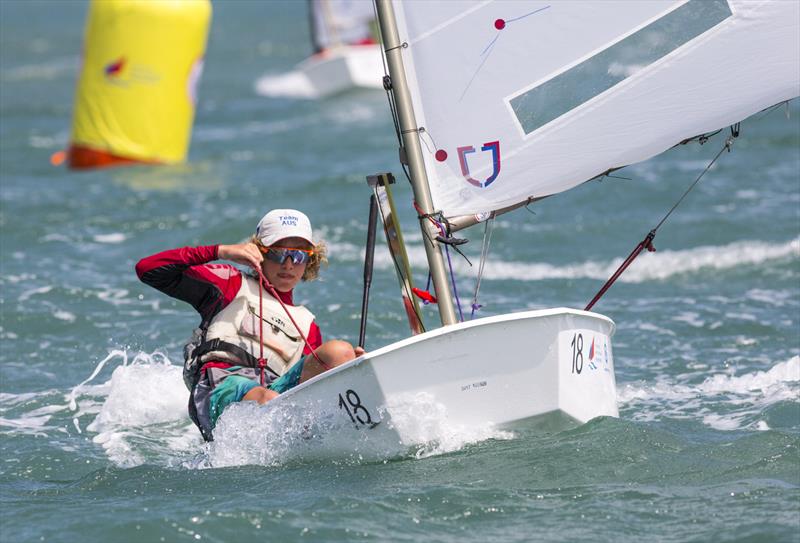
(499, 24)
(441, 155)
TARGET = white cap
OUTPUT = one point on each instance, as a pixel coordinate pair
(280, 224)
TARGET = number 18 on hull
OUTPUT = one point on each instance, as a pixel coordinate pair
(493, 371)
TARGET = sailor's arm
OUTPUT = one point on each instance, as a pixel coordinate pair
(184, 274)
(242, 253)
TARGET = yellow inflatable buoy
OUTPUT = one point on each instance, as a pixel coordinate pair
(136, 93)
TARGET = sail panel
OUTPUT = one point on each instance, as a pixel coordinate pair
(536, 107)
(526, 99)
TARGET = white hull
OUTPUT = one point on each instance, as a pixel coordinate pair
(488, 372)
(343, 68)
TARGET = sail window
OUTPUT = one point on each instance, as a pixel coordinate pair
(566, 91)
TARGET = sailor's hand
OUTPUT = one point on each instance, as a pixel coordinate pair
(242, 253)
(359, 351)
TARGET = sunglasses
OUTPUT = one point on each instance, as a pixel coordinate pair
(280, 254)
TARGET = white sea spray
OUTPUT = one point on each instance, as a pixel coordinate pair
(724, 401)
(138, 413)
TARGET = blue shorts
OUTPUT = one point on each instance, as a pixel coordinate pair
(232, 389)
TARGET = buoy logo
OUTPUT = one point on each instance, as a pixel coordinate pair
(114, 69)
(123, 72)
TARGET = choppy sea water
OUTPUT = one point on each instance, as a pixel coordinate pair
(95, 441)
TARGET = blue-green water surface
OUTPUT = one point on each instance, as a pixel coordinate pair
(707, 348)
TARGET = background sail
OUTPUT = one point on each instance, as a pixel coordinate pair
(341, 22)
(525, 99)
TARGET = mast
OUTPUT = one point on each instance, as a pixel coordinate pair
(332, 33)
(419, 178)
(312, 24)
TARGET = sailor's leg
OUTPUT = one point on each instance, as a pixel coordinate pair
(334, 353)
(232, 389)
(260, 394)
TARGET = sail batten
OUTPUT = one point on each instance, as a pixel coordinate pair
(528, 99)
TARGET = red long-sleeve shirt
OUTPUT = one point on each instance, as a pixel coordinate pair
(186, 274)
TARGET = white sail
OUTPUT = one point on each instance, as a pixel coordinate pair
(341, 22)
(524, 99)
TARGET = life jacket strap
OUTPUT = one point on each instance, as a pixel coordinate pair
(245, 358)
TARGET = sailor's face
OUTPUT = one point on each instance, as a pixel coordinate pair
(287, 274)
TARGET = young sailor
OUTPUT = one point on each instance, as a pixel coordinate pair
(239, 321)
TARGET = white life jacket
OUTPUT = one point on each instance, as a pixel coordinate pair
(238, 324)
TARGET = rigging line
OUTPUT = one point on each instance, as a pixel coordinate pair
(443, 233)
(770, 109)
(387, 79)
(422, 131)
(393, 111)
(647, 242)
(262, 364)
(262, 279)
(453, 281)
(460, 252)
(725, 147)
(403, 45)
(407, 173)
(430, 216)
(396, 121)
(487, 237)
(388, 86)
(702, 138)
(615, 177)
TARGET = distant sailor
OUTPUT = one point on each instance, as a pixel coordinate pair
(246, 336)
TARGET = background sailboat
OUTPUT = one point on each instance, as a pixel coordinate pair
(346, 54)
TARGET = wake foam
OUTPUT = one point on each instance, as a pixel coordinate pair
(16, 418)
(289, 85)
(723, 401)
(283, 432)
(423, 423)
(134, 407)
(46, 71)
(139, 413)
(648, 267)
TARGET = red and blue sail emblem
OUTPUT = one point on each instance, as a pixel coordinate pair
(494, 147)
